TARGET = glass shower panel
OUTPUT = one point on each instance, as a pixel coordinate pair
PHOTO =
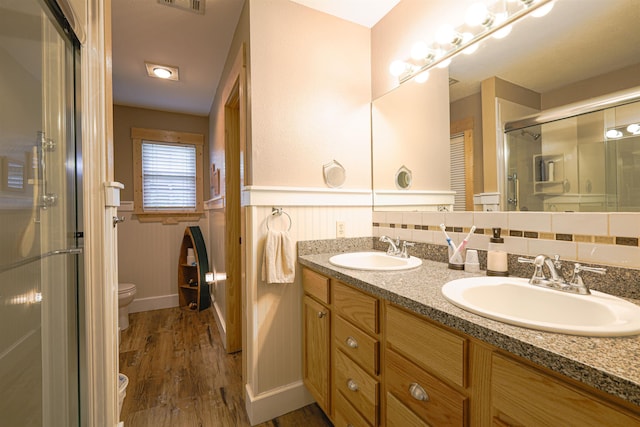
(39, 253)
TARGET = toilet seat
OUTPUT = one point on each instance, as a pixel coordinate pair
(124, 288)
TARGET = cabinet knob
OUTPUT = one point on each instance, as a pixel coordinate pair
(321, 314)
(418, 393)
(352, 385)
(351, 342)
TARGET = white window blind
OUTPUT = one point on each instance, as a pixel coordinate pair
(168, 176)
(458, 172)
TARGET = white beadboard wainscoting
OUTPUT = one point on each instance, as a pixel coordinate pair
(148, 257)
(274, 311)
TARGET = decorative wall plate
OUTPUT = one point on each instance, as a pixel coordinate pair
(334, 174)
(403, 178)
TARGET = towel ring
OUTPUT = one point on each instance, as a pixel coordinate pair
(278, 212)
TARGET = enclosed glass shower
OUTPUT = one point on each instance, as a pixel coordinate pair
(40, 217)
(576, 162)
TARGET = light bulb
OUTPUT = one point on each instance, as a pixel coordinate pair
(542, 11)
(466, 38)
(448, 35)
(634, 128)
(162, 73)
(503, 32)
(422, 77)
(477, 14)
(397, 68)
(614, 134)
(419, 51)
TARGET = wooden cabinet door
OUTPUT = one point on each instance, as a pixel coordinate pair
(316, 347)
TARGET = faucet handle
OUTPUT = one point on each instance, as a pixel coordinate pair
(576, 279)
(405, 245)
(526, 260)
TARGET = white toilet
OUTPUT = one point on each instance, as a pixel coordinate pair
(126, 292)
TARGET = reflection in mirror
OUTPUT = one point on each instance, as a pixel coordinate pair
(581, 50)
(584, 163)
(407, 132)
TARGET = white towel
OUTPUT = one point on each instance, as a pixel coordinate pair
(278, 262)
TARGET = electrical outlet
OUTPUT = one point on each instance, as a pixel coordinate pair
(340, 229)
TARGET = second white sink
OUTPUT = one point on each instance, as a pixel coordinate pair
(515, 301)
(374, 261)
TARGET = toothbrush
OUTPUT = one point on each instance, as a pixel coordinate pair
(449, 241)
(460, 248)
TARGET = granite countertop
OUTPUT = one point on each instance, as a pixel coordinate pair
(607, 364)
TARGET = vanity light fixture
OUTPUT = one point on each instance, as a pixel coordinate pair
(634, 128)
(614, 134)
(539, 13)
(165, 72)
(625, 131)
(453, 41)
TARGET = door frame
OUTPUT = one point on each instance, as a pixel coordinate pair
(234, 96)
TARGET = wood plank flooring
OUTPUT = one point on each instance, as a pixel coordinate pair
(180, 375)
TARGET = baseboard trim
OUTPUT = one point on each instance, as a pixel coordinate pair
(153, 303)
(222, 325)
(279, 401)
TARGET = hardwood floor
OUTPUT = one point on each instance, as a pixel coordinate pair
(180, 375)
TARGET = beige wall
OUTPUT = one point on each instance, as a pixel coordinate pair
(310, 96)
(407, 130)
(124, 118)
(624, 78)
(148, 252)
(217, 221)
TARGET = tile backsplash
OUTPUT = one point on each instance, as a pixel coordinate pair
(599, 238)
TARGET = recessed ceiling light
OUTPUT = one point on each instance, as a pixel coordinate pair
(165, 72)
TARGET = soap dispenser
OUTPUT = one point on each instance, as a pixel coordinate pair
(496, 256)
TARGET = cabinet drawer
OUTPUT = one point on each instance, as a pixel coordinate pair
(346, 415)
(428, 345)
(441, 404)
(399, 415)
(358, 345)
(530, 397)
(360, 388)
(357, 307)
(316, 285)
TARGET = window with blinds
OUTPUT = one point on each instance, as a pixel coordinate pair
(168, 176)
(457, 175)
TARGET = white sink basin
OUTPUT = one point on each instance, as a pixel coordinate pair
(515, 301)
(378, 261)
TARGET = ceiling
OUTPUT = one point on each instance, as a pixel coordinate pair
(541, 54)
(143, 30)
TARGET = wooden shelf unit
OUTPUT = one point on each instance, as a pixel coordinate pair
(192, 287)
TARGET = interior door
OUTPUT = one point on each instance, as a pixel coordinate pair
(40, 239)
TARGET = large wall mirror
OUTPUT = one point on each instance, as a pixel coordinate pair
(581, 49)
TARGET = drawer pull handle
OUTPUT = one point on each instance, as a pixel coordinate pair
(321, 314)
(418, 393)
(352, 385)
(351, 342)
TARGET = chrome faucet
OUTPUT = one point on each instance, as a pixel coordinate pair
(403, 251)
(393, 246)
(556, 280)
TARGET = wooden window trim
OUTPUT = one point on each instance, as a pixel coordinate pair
(465, 127)
(174, 216)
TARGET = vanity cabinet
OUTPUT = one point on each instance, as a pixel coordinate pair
(525, 396)
(425, 371)
(316, 340)
(356, 353)
(369, 362)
